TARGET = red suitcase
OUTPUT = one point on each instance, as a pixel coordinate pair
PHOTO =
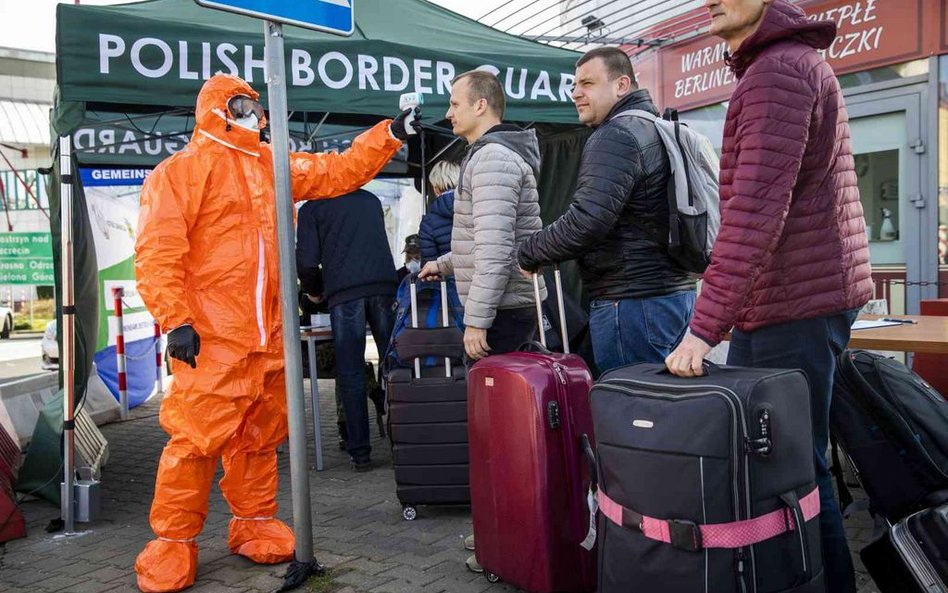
(527, 412)
(12, 525)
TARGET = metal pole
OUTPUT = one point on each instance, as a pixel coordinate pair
(445, 321)
(424, 174)
(31, 289)
(314, 395)
(68, 333)
(561, 303)
(117, 294)
(536, 296)
(296, 412)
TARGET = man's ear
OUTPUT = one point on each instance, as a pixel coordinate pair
(480, 106)
(624, 85)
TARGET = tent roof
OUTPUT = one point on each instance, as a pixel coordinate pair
(157, 53)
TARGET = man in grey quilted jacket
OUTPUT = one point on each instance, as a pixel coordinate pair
(496, 207)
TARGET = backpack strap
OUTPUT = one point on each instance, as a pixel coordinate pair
(640, 113)
(845, 496)
(674, 235)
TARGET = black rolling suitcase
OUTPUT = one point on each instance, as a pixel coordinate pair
(704, 483)
(912, 556)
(427, 415)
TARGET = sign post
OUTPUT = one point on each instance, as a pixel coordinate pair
(296, 413)
(333, 16)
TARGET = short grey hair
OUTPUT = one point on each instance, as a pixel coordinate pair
(444, 176)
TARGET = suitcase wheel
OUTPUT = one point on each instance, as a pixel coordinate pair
(491, 577)
(409, 513)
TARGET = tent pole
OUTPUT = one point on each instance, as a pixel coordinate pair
(67, 358)
(424, 174)
(296, 412)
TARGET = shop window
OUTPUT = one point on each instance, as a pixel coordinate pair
(893, 72)
(878, 152)
(708, 121)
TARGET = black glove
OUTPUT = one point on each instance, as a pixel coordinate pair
(184, 344)
(398, 124)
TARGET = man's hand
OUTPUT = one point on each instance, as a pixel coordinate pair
(475, 342)
(430, 272)
(315, 298)
(399, 128)
(687, 359)
(526, 274)
(184, 344)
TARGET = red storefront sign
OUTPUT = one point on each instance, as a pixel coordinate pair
(646, 72)
(871, 33)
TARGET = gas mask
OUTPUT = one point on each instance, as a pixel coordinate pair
(245, 112)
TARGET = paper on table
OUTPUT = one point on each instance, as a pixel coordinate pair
(872, 323)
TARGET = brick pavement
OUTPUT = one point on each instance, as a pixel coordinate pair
(358, 529)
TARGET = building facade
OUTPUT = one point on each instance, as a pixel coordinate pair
(27, 83)
(891, 57)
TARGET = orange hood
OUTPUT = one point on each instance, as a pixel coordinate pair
(212, 118)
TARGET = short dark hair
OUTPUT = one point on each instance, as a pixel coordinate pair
(617, 62)
(485, 85)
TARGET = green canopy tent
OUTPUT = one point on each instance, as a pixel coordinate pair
(136, 68)
(157, 54)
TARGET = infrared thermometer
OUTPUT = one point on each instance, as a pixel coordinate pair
(411, 101)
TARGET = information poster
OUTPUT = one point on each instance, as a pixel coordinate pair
(112, 198)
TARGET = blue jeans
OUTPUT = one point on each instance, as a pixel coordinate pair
(631, 331)
(348, 330)
(813, 346)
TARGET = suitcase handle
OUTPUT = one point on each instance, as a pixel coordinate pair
(706, 365)
(533, 346)
(558, 281)
(413, 279)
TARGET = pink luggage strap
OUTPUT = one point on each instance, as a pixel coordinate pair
(691, 536)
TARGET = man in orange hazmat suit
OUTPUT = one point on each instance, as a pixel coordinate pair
(207, 268)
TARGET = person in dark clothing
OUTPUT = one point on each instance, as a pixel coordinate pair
(436, 225)
(641, 300)
(334, 234)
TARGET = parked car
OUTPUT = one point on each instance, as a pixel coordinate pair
(6, 313)
(50, 347)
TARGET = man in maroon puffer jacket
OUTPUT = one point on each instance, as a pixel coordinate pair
(790, 267)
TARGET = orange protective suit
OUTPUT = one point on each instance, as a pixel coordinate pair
(206, 255)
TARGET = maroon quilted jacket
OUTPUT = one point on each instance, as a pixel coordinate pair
(792, 243)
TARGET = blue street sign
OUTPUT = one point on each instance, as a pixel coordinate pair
(330, 16)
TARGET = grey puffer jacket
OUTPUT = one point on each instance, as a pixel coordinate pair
(496, 207)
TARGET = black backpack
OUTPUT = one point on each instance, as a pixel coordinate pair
(894, 427)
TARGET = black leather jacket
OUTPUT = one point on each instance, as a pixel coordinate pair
(619, 214)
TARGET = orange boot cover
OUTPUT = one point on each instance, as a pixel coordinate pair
(265, 541)
(178, 511)
(166, 566)
(250, 472)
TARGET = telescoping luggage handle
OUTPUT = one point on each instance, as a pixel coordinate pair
(445, 320)
(558, 279)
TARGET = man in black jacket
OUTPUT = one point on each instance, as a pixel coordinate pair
(347, 238)
(615, 226)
